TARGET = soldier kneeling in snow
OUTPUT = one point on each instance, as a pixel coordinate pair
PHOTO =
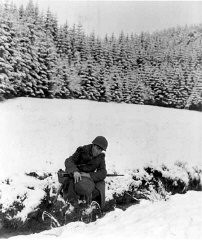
(86, 173)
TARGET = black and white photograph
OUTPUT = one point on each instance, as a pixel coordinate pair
(100, 120)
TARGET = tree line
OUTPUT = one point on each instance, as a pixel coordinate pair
(40, 58)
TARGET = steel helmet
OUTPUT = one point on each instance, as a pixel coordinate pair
(84, 187)
(101, 142)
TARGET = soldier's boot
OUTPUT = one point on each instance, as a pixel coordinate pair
(91, 212)
(73, 212)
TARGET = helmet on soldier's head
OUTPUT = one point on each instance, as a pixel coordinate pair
(84, 187)
(101, 142)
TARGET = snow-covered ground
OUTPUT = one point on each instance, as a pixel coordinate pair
(179, 218)
(40, 134)
(37, 135)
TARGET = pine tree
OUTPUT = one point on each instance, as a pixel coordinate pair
(9, 79)
(51, 25)
(80, 44)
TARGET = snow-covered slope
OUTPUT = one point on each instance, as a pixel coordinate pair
(37, 135)
(175, 219)
(40, 134)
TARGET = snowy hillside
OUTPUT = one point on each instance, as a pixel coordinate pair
(40, 134)
(155, 148)
(176, 219)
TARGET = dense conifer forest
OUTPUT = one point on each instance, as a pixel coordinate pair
(40, 58)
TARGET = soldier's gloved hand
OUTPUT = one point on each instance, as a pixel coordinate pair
(83, 174)
(77, 177)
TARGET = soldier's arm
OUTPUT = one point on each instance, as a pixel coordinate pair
(71, 162)
(101, 172)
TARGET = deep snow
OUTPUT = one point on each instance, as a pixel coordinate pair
(37, 135)
(177, 218)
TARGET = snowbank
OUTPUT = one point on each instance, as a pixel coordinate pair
(25, 197)
(176, 218)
